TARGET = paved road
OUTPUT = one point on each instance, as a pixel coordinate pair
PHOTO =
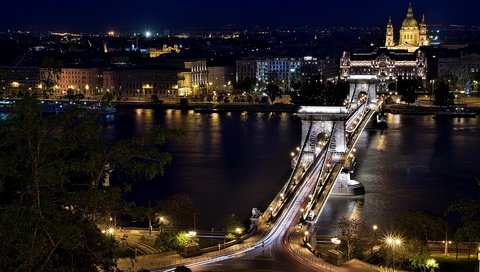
(272, 252)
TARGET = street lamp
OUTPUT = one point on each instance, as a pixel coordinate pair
(375, 228)
(336, 241)
(393, 242)
(432, 263)
(306, 233)
(479, 259)
(162, 220)
(446, 246)
(238, 231)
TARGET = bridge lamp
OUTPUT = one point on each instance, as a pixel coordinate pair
(298, 148)
(292, 154)
(336, 241)
(110, 231)
(238, 230)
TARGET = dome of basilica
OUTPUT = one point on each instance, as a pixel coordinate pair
(410, 21)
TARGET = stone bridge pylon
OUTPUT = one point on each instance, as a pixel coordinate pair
(318, 121)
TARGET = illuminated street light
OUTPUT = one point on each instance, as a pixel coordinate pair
(446, 243)
(336, 241)
(148, 34)
(110, 231)
(478, 259)
(238, 231)
(393, 242)
(162, 221)
(191, 234)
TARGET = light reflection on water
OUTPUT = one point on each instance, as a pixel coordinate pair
(417, 163)
(231, 162)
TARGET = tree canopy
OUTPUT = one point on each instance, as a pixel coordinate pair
(52, 191)
(408, 89)
(442, 94)
(317, 91)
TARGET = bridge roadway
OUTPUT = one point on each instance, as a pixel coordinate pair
(278, 245)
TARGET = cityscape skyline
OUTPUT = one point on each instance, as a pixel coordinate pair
(142, 15)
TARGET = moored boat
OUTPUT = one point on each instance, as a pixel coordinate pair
(458, 111)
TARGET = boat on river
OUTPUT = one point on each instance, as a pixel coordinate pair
(457, 111)
(59, 106)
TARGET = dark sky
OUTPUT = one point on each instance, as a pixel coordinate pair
(139, 15)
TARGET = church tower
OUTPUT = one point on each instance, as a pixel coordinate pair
(389, 41)
(409, 33)
(423, 40)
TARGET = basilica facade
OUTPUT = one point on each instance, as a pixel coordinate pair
(412, 34)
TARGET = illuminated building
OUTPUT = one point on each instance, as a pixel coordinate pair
(388, 66)
(141, 82)
(156, 52)
(246, 68)
(221, 78)
(285, 70)
(87, 81)
(173, 78)
(19, 78)
(412, 35)
(460, 66)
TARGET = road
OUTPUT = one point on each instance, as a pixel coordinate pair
(274, 251)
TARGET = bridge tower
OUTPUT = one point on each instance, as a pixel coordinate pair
(363, 84)
(320, 120)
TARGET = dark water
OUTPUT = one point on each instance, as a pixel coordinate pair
(232, 162)
(229, 162)
(417, 163)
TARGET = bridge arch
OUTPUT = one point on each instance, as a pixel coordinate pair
(363, 84)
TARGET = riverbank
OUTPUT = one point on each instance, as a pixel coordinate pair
(211, 107)
(424, 110)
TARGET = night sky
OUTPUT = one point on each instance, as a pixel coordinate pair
(139, 15)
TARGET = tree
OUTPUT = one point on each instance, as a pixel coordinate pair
(165, 241)
(50, 74)
(422, 225)
(52, 191)
(179, 211)
(184, 239)
(247, 85)
(469, 229)
(353, 236)
(443, 96)
(408, 89)
(233, 226)
(273, 90)
(318, 91)
(182, 269)
(423, 262)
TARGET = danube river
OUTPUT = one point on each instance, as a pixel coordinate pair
(232, 162)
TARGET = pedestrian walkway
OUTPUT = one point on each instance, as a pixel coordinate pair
(296, 246)
(159, 261)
